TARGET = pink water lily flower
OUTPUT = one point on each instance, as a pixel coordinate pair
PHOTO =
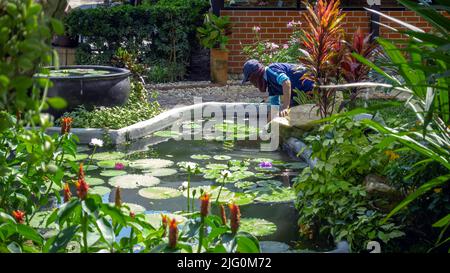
(119, 166)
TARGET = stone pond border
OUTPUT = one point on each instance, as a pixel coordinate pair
(144, 128)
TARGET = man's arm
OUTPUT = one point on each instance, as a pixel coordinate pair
(286, 98)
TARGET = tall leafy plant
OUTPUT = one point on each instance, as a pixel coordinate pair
(321, 44)
(352, 69)
(423, 62)
(214, 32)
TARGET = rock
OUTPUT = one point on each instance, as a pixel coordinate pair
(296, 148)
(385, 196)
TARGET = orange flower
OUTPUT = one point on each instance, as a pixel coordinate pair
(173, 233)
(204, 207)
(164, 219)
(223, 214)
(19, 216)
(118, 198)
(235, 217)
(67, 193)
(66, 124)
(392, 155)
(82, 186)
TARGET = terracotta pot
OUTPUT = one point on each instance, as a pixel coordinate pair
(219, 66)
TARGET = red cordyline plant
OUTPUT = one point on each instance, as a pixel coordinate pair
(353, 70)
(320, 44)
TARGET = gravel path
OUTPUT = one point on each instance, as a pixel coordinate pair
(176, 94)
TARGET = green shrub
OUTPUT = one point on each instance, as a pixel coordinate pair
(332, 200)
(135, 110)
(159, 32)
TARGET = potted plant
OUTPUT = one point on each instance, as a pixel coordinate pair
(214, 35)
(58, 9)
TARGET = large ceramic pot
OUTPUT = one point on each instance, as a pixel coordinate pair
(219, 66)
(89, 86)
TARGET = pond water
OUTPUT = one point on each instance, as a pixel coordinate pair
(77, 72)
(152, 179)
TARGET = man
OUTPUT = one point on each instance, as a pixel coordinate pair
(279, 80)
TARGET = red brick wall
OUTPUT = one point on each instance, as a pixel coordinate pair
(273, 27)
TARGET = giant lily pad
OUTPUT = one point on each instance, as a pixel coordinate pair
(161, 172)
(155, 219)
(100, 190)
(108, 156)
(112, 173)
(201, 157)
(257, 227)
(132, 181)
(94, 181)
(150, 163)
(159, 193)
(88, 168)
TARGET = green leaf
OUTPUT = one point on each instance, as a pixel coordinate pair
(57, 102)
(57, 26)
(442, 222)
(63, 238)
(420, 191)
(247, 243)
(29, 233)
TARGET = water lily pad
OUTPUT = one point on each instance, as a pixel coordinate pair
(77, 157)
(244, 185)
(262, 159)
(111, 164)
(296, 165)
(269, 183)
(201, 157)
(88, 168)
(108, 156)
(40, 218)
(238, 168)
(135, 207)
(225, 196)
(155, 219)
(94, 181)
(268, 170)
(257, 227)
(161, 172)
(132, 181)
(112, 173)
(150, 163)
(159, 193)
(275, 195)
(264, 175)
(168, 134)
(222, 157)
(100, 190)
(184, 164)
(239, 163)
(217, 166)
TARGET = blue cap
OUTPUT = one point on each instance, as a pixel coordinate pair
(250, 66)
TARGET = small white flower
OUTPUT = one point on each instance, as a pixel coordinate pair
(96, 142)
(191, 166)
(225, 173)
(183, 186)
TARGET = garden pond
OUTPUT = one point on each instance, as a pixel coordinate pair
(153, 180)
